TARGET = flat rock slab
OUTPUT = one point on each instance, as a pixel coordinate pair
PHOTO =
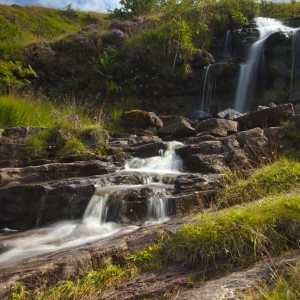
(227, 288)
(54, 171)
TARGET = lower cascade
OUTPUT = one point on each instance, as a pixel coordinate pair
(106, 213)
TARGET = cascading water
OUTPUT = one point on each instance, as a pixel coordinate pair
(249, 70)
(105, 207)
(228, 45)
(295, 59)
(209, 87)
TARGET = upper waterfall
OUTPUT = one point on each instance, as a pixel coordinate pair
(255, 60)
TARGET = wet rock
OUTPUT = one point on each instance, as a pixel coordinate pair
(67, 263)
(66, 202)
(270, 117)
(19, 206)
(146, 150)
(277, 38)
(24, 207)
(217, 127)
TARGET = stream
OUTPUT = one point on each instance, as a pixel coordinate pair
(103, 215)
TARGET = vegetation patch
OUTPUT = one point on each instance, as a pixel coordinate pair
(280, 177)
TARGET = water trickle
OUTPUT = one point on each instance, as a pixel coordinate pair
(249, 70)
(228, 45)
(207, 93)
(40, 209)
(158, 209)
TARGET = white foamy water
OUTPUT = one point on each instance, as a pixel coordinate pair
(64, 235)
(164, 162)
(94, 226)
(249, 69)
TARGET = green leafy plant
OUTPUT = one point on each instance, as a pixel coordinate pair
(13, 75)
(107, 66)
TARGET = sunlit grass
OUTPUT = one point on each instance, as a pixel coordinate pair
(242, 234)
(271, 179)
(18, 112)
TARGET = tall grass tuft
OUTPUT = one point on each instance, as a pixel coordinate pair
(18, 112)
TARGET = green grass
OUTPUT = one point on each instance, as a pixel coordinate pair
(67, 127)
(242, 234)
(18, 112)
(91, 283)
(271, 179)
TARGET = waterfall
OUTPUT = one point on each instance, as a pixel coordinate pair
(96, 210)
(295, 58)
(157, 209)
(105, 212)
(228, 45)
(164, 162)
(249, 69)
(208, 88)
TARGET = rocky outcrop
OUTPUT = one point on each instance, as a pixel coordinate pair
(270, 117)
(12, 140)
(42, 192)
(54, 171)
(235, 152)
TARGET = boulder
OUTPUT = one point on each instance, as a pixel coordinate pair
(141, 122)
(177, 130)
(235, 152)
(278, 38)
(217, 127)
(218, 163)
(229, 114)
(270, 117)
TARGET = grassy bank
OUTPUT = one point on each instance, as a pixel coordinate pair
(66, 127)
(22, 25)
